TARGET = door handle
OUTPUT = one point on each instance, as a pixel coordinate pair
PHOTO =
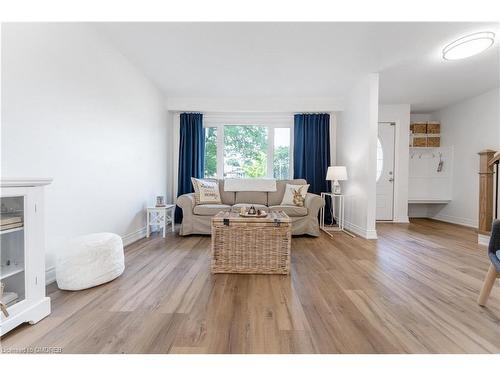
(391, 179)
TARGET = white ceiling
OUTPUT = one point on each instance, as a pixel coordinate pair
(308, 59)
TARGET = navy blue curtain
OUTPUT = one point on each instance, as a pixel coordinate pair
(311, 152)
(191, 154)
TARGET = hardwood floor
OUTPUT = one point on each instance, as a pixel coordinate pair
(413, 290)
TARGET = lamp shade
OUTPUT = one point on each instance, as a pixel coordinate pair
(336, 173)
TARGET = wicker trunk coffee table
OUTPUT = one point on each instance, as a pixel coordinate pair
(250, 244)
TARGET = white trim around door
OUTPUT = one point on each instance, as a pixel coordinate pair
(386, 171)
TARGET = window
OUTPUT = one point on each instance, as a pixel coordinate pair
(281, 161)
(380, 159)
(245, 151)
(210, 153)
(248, 150)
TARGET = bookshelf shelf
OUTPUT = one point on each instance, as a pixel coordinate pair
(8, 271)
(11, 230)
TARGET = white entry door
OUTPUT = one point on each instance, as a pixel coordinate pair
(385, 171)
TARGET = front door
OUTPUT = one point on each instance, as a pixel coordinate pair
(385, 171)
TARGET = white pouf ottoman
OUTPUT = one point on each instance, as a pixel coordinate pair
(90, 260)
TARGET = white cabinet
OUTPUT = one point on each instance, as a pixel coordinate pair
(22, 253)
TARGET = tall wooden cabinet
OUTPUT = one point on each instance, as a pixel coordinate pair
(22, 253)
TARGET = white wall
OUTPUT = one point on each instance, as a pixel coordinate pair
(470, 126)
(400, 114)
(357, 150)
(421, 117)
(76, 110)
(255, 104)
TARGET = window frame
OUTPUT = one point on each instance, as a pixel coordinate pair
(271, 122)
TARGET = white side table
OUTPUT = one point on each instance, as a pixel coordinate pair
(160, 216)
(328, 229)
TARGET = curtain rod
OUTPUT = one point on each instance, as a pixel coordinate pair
(312, 113)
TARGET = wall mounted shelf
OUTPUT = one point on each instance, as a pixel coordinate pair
(429, 201)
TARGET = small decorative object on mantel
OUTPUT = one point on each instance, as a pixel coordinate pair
(252, 210)
(160, 201)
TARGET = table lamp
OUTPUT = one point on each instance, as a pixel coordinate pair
(336, 174)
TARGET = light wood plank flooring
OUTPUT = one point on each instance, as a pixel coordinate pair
(413, 290)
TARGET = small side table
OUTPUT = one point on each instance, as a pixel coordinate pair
(160, 216)
(340, 219)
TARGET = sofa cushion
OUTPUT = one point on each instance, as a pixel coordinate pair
(210, 209)
(255, 197)
(237, 206)
(206, 191)
(274, 198)
(292, 211)
(227, 197)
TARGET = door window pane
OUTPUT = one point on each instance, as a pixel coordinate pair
(281, 162)
(245, 151)
(380, 159)
(210, 153)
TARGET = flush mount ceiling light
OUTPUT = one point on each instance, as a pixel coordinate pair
(469, 45)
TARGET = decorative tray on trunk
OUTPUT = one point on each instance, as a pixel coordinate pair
(261, 214)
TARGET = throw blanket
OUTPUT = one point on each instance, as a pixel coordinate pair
(249, 184)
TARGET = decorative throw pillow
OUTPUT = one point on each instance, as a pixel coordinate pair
(206, 191)
(295, 195)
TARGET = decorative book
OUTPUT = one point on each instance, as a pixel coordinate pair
(6, 219)
(11, 226)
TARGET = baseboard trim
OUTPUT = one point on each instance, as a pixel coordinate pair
(50, 275)
(455, 220)
(134, 236)
(362, 232)
(401, 220)
(50, 272)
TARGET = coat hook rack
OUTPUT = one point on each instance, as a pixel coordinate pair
(420, 154)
